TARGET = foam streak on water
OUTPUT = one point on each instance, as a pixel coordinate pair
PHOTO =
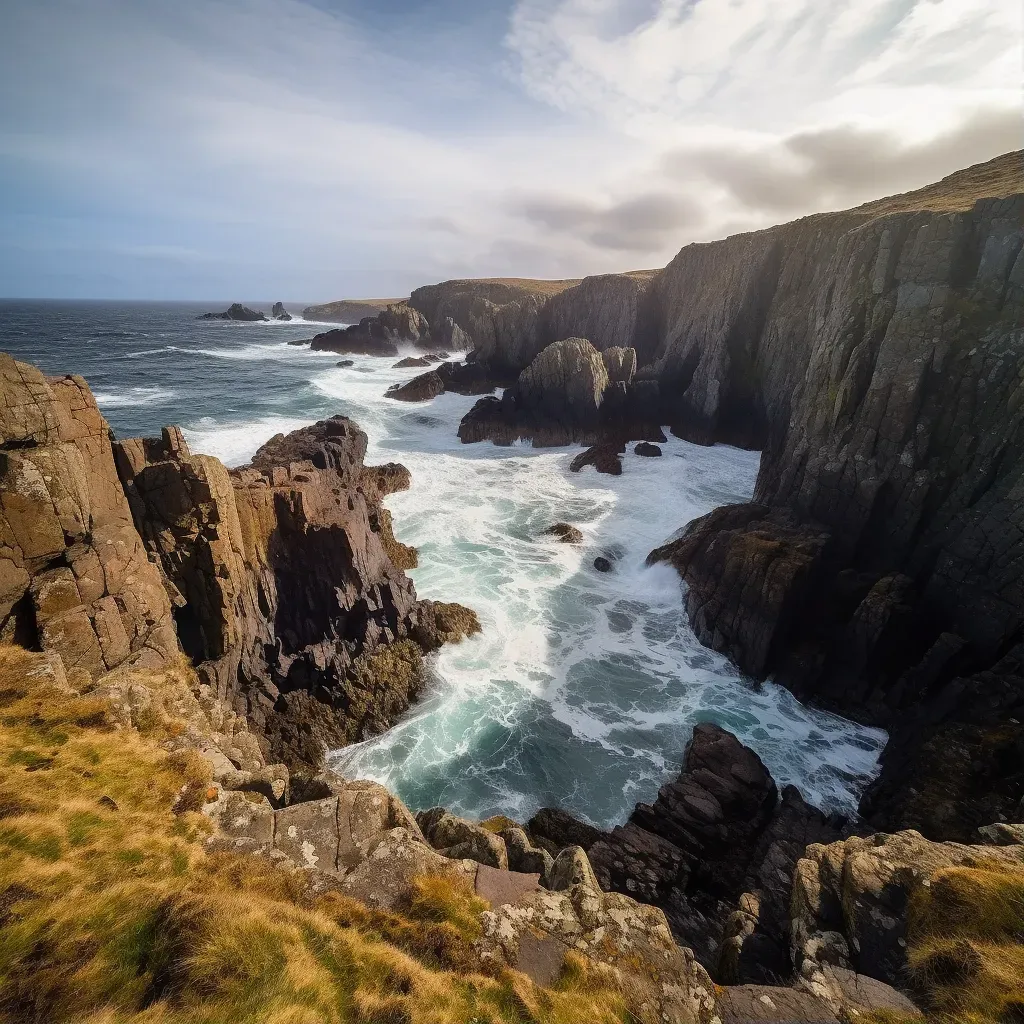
(583, 687)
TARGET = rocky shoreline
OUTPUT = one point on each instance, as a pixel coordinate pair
(876, 356)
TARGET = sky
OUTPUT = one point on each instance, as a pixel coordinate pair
(309, 150)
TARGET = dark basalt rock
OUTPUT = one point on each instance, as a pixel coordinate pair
(236, 311)
(602, 564)
(419, 389)
(278, 312)
(365, 338)
(555, 829)
(605, 458)
(647, 450)
(412, 361)
(342, 362)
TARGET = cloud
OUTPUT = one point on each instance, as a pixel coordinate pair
(840, 166)
(641, 224)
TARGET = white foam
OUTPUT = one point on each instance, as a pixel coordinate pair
(133, 397)
(599, 674)
(235, 444)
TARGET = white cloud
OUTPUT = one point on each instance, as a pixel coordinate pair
(307, 153)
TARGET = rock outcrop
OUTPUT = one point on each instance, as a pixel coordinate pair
(278, 312)
(236, 311)
(566, 395)
(74, 576)
(288, 601)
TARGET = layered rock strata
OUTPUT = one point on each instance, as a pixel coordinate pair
(74, 575)
(287, 597)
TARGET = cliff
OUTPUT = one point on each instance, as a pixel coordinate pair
(287, 599)
(74, 575)
(347, 311)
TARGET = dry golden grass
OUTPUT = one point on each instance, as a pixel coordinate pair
(1003, 176)
(966, 946)
(112, 911)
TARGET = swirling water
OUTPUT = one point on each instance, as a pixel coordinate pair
(583, 687)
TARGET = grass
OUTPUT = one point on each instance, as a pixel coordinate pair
(113, 912)
(966, 946)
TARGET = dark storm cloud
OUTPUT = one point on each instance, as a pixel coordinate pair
(641, 223)
(845, 165)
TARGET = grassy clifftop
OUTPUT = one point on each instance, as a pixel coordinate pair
(112, 909)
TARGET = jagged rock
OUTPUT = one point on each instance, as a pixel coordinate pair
(444, 622)
(620, 364)
(565, 533)
(605, 458)
(566, 380)
(647, 450)
(347, 311)
(412, 361)
(236, 311)
(402, 322)
(419, 389)
(74, 576)
(533, 933)
(465, 378)
(451, 336)
(461, 839)
(278, 312)
(289, 602)
(523, 855)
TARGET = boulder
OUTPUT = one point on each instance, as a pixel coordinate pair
(342, 362)
(236, 311)
(412, 361)
(571, 867)
(419, 389)
(565, 533)
(605, 458)
(602, 564)
(647, 450)
(460, 839)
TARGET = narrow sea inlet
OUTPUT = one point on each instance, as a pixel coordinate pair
(584, 687)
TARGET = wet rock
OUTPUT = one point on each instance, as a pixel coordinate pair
(419, 389)
(565, 533)
(602, 564)
(366, 338)
(236, 311)
(412, 361)
(605, 458)
(444, 622)
(278, 312)
(647, 450)
(341, 362)
(620, 364)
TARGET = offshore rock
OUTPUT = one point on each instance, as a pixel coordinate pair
(288, 602)
(366, 338)
(565, 533)
(75, 579)
(236, 311)
(419, 389)
(278, 312)
(605, 458)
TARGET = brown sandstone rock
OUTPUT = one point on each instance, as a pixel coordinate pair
(565, 533)
(61, 502)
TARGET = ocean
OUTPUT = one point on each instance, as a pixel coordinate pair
(583, 687)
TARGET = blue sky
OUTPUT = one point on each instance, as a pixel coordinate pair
(313, 149)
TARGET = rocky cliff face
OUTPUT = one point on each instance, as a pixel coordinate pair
(74, 575)
(289, 602)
